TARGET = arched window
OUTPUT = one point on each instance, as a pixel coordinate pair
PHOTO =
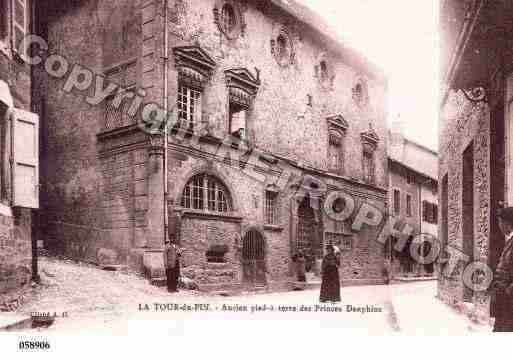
(205, 192)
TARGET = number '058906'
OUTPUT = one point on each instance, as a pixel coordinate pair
(33, 345)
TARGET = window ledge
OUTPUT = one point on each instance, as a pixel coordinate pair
(207, 215)
(273, 227)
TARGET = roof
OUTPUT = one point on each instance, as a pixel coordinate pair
(314, 21)
(415, 157)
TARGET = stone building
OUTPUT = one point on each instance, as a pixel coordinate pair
(413, 196)
(18, 155)
(475, 139)
(240, 78)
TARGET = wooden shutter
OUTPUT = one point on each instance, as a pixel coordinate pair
(26, 159)
(19, 21)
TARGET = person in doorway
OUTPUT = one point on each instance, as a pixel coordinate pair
(300, 261)
(170, 262)
(330, 285)
(502, 285)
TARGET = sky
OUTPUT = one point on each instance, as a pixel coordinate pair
(400, 36)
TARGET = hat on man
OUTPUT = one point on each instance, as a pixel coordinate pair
(506, 214)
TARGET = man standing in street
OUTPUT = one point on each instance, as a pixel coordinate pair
(502, 285)
(170, 261)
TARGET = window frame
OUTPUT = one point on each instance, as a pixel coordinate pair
(369, 170)
(336, 158)
(271, 197)
(25, 29)
(409, 208)
(197, 194)
(396, 201)
(196, 111)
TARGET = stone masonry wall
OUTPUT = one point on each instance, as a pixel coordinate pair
(280, 122)
(95, 193)
(462, 122)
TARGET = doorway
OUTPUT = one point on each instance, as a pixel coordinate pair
(253, 259)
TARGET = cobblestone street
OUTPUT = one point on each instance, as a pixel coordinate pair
(115, 302)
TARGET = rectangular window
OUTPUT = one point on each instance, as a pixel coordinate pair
(335, 152)
(408, 205)
(20, 10)
(410, 177)
(397, 202)
(189, 107)
(429, 212)
(343, 241)
(271, 207)
(3, 19)
(368, 167)
(237, 120)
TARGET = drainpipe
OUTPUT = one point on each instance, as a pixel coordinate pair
(34, 217)
(165, 99)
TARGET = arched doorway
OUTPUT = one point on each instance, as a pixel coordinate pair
(253, 258)
(307, 233)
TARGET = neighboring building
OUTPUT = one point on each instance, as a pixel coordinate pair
(413, 187)
(266, 72)
(475, 138)
(18, 156)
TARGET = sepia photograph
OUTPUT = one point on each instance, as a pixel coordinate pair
(189, 171)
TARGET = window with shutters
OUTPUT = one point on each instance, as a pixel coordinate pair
(207, 193)
(408, 205)
(25, 166)
(397, 201)
(5, 153)
(20, 10)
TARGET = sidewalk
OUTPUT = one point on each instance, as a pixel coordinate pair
(423, 314)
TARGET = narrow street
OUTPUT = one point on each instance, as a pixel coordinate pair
(115, 302)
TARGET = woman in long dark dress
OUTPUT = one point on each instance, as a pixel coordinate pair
(330, 285)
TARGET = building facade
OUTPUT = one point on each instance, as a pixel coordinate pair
(413, 197)
(19, 158)
(266, 76)
(475, 141)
